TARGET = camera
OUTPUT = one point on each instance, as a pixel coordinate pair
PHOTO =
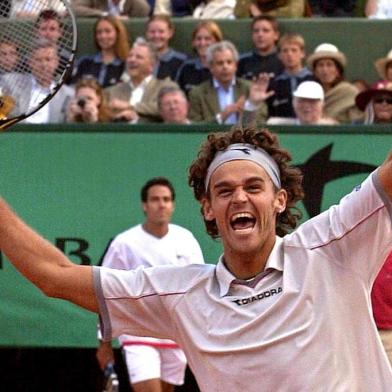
(81, 102)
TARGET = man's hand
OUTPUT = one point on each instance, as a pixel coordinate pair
(258, 89)
(90, 112)
(126, 115)
(118, 105)
(104, 354)
(236, 107)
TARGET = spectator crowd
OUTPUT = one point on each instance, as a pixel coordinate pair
(125, 79)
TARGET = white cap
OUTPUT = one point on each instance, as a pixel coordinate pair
(310, 90)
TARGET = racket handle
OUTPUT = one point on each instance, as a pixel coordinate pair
(111, 379)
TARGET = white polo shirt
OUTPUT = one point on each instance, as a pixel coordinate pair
(304, 324)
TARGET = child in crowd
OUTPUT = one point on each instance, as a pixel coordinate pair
(292, 54)
(159, 31)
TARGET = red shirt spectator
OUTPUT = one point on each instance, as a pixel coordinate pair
(382, 296)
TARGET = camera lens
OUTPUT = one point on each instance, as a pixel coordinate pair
(81, 102)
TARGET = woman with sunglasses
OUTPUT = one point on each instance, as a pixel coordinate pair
(376, 102)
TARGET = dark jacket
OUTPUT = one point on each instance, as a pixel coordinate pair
(169, 64)
(92, 66)
(192, 73)
(252, 64)
(281, 103)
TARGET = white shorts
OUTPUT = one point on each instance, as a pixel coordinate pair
(147, 362)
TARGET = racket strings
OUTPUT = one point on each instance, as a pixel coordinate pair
(43, 34)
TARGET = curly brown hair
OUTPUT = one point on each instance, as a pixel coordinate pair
(291, 177)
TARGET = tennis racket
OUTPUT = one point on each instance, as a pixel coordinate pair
(44, 55)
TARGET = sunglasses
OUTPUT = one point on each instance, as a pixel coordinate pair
(387, 100)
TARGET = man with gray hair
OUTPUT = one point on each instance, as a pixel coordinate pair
(36, 83)
(222, 98)
(173, 105)
(137, 98)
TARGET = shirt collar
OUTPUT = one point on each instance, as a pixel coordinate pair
(38, 86)
(168, 55)
(301, 74)
(273, 52)
(143, 84)
(225, 277)
(217, 85)
(97, 58)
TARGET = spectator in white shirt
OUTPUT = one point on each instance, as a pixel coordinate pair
(29, 89)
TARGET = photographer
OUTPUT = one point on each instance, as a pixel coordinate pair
(88, 104)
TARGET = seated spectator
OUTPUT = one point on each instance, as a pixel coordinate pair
(9, 56)
(327, 64)
(123, 8)
(159, 31)
(174, 8)
(376, 102)
(214, 9)
(195, 71)
(378, 9)
(48, 26)
(276, 8)
(222, 98)
(384, 67)
(138, 98)
(308, 103)
(333, 8)
(88, 104)
(291, 53)
(173, 106)
(264, 57)
(108, 64)
(28, 89)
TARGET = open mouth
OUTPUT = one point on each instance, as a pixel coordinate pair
(242, 221)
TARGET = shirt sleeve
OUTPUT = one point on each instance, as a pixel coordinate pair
(356, 233)
(137, 302)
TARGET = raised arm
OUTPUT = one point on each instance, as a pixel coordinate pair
(385, 175)
(43, 264)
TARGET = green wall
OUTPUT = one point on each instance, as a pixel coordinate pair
(83, 184)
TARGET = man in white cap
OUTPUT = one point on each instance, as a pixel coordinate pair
(308, 103)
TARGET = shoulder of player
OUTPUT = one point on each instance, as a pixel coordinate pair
(126, 236)
(179, 230)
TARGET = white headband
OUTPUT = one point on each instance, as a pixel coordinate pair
(243, 151)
